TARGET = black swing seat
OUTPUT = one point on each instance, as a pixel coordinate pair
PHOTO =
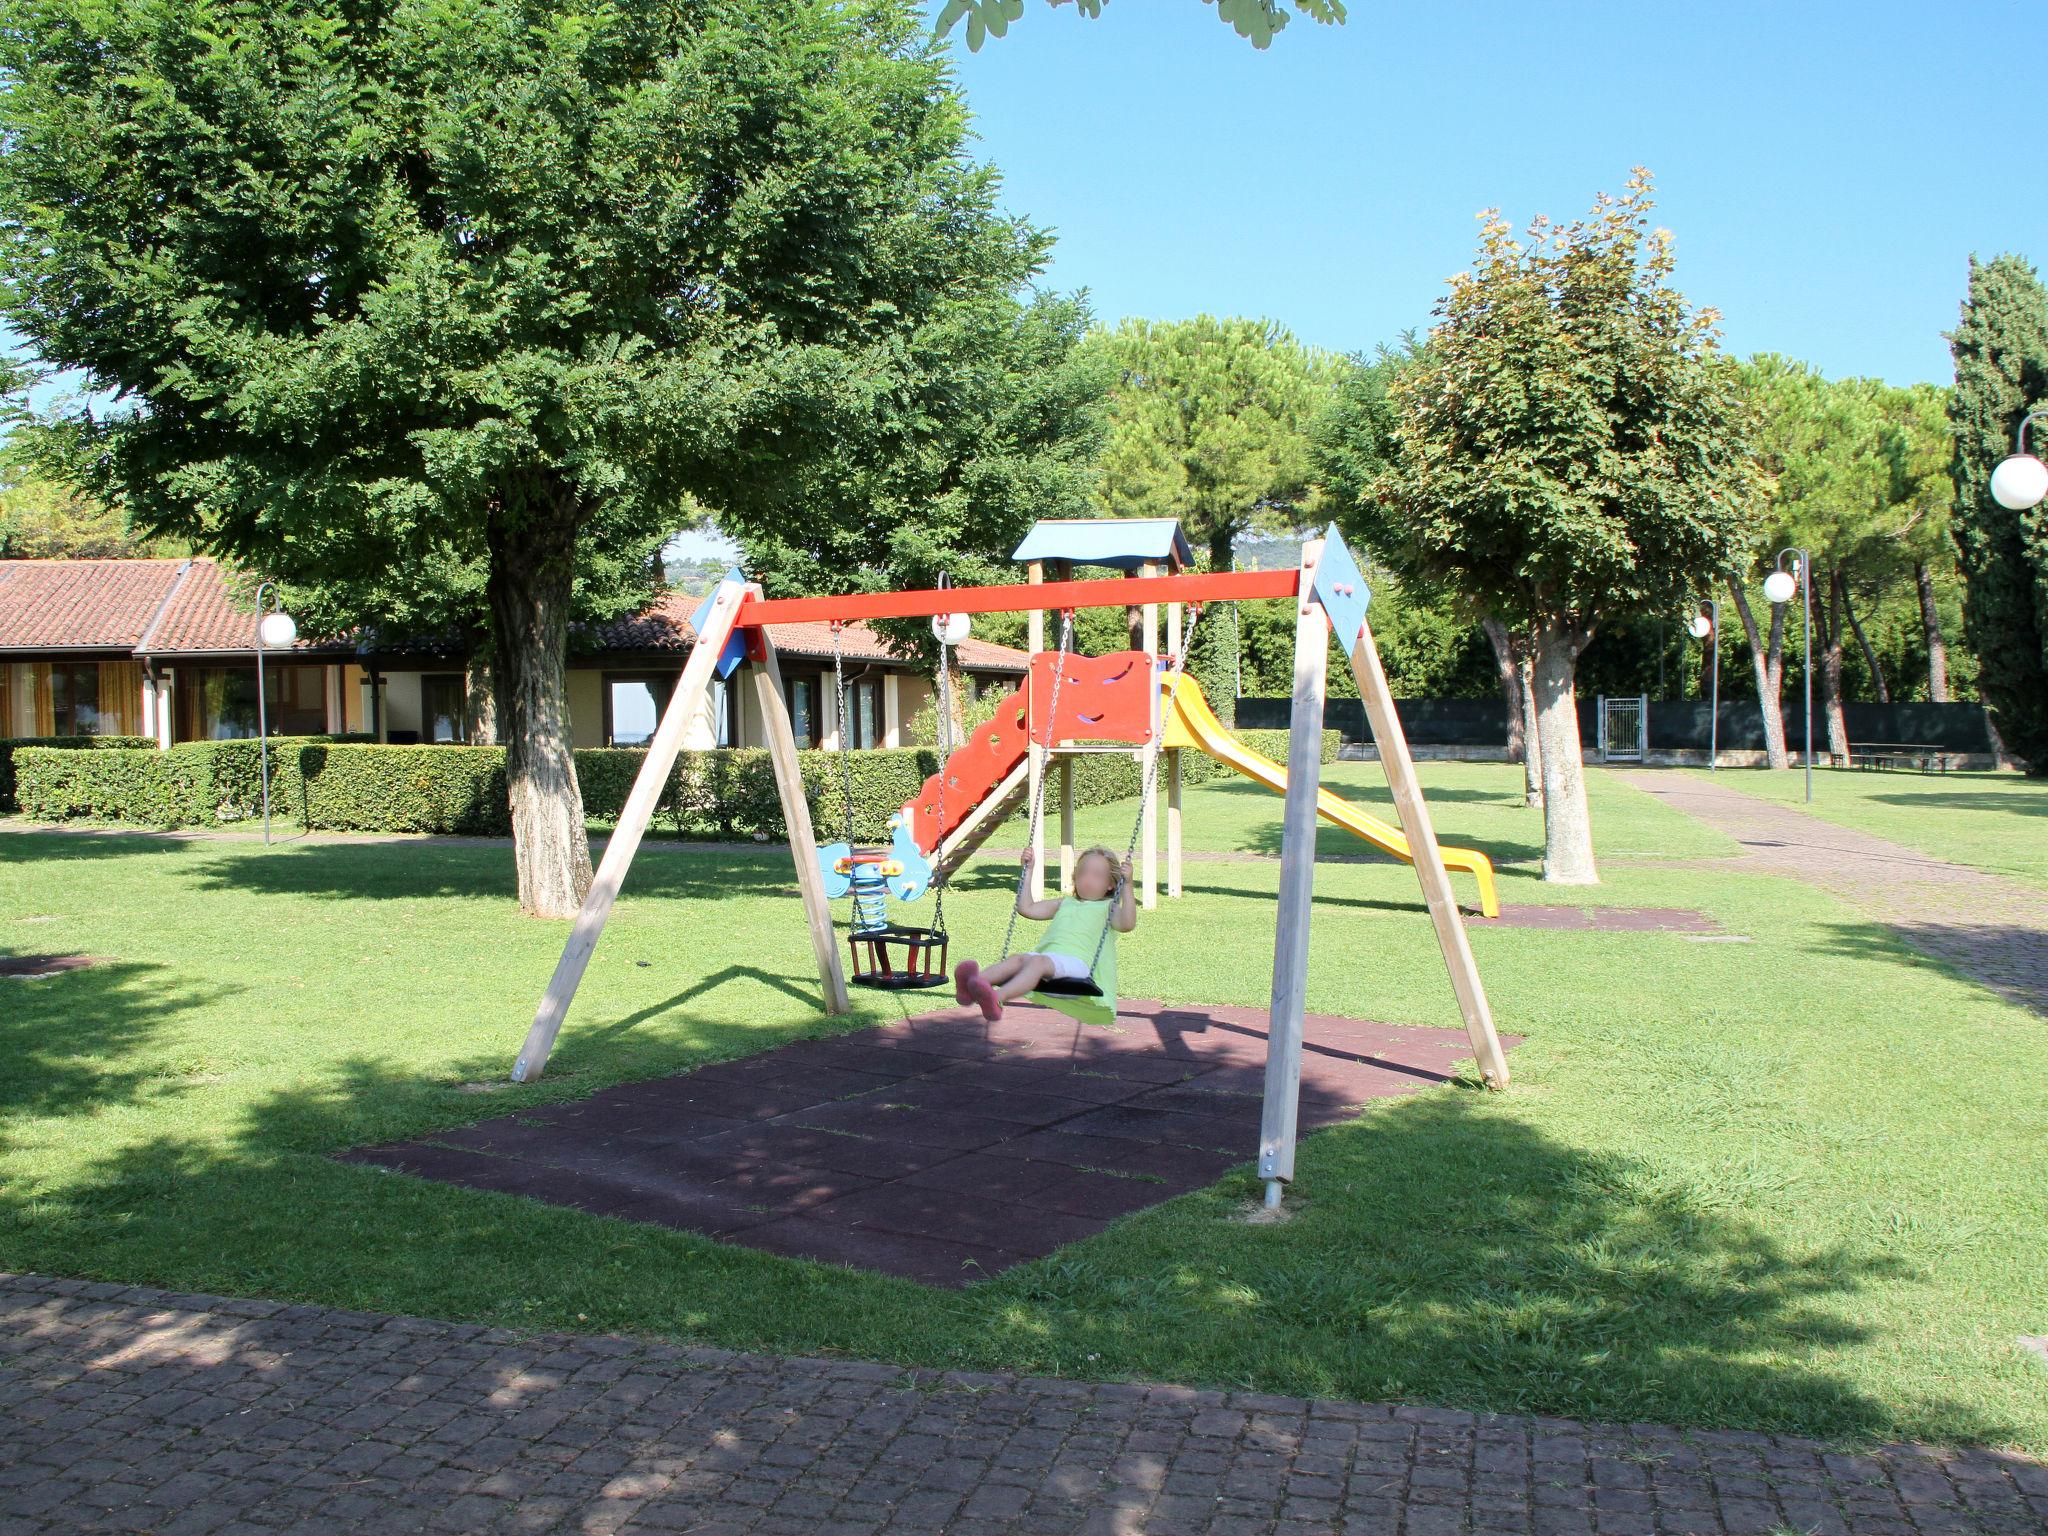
(925, 949)
(1056, 986)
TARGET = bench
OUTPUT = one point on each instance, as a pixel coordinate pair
(1926, 756)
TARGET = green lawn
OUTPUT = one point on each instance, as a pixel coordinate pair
(1794, 1184)
(1994, 821)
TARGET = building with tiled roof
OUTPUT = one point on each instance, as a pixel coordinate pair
(164, 648)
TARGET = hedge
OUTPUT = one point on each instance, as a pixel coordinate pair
(193, 784)
(9, 744)
(337, 785)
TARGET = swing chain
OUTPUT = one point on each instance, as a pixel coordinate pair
(945, 740)
(844, 726)
(1052, 711)
(1180, 662)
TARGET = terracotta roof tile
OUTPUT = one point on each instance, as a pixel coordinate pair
(81, 604)
(190, 607)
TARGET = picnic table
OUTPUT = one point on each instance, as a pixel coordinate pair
(1928, 757)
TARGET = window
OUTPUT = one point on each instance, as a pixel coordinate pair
(75, 698)
(803, 711)
(219, 703)
(864, 705)
(632, 707)
(444, 707)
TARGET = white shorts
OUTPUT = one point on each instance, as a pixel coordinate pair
(1064, 967)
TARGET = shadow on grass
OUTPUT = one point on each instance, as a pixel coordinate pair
(423, 870)
(2006, 801)
(58, 846)
(68, 1041)
(1441, 1251)
(2010, 959)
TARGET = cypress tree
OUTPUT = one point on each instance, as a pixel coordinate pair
(2001, 356)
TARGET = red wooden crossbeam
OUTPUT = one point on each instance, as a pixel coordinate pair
(1221, 586)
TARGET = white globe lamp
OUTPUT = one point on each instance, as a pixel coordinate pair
(1780, 585)
(2019, 482)
(277, 631)
(951, 628)
(1699, 626)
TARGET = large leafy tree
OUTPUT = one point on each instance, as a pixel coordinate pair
(2001, 357)
(1572, 450)
(995, 421)
(1355, 447)
(1210, 422)
(1257, 21)
(1858, 478)
(386, 283)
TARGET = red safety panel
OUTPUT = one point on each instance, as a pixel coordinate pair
(1101, 698)
(972, 773)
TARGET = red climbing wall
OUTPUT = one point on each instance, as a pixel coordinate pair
(1101, 698)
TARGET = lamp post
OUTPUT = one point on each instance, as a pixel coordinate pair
(2021, 481)
(1705, 623)
(1778, 588)
(272, 629)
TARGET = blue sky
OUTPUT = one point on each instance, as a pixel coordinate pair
(1827, 169)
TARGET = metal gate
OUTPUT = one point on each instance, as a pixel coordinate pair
(1624, 728)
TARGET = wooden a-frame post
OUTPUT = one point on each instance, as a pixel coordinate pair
(1278, 1110)
(714, 625)
(1451, 937)
(1314, 616)
(796, 816)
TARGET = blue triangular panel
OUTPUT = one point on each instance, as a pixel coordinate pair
(735, 650)
(1340, 587)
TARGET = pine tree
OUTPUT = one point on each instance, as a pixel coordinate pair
(2001, 354)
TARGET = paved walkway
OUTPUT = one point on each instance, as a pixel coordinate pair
(135, 1411)
(1992, 929)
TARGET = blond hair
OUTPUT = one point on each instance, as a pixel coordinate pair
(1107, 854)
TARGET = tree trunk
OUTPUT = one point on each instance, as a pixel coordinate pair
(1510, 682)
(1884, 694)
(1567, 825)
(1532, 731)
(1937, 648)
(1768, 662)
(480, 702)
(1832, 627)
(529, 588)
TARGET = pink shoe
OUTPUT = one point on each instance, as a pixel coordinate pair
(965, 974)
(985, 996)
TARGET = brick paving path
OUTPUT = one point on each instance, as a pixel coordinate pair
(136, 1411)
(1993, 930)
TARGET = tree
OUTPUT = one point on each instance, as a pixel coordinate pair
(995, 422)
(1918, 448)
(1354, 445)
(1210, 423)
(45, 519)
(1254, 20)
(1572, 449)
(383, 284)
(2001, 357)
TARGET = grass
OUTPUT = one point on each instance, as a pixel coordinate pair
(1993, 821)
(1794, 1184)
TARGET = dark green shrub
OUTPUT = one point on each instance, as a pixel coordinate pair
(8, 745)
(346, 786)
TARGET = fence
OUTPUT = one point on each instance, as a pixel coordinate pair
(1675, 725)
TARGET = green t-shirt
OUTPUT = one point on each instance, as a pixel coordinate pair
(1075, 929)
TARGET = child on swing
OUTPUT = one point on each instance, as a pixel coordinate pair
(1101, 894)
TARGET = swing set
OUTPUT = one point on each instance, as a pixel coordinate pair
(1132, 701)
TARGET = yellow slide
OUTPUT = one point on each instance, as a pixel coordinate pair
(1190, 722)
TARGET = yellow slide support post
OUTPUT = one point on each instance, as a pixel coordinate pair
(1190, 722)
